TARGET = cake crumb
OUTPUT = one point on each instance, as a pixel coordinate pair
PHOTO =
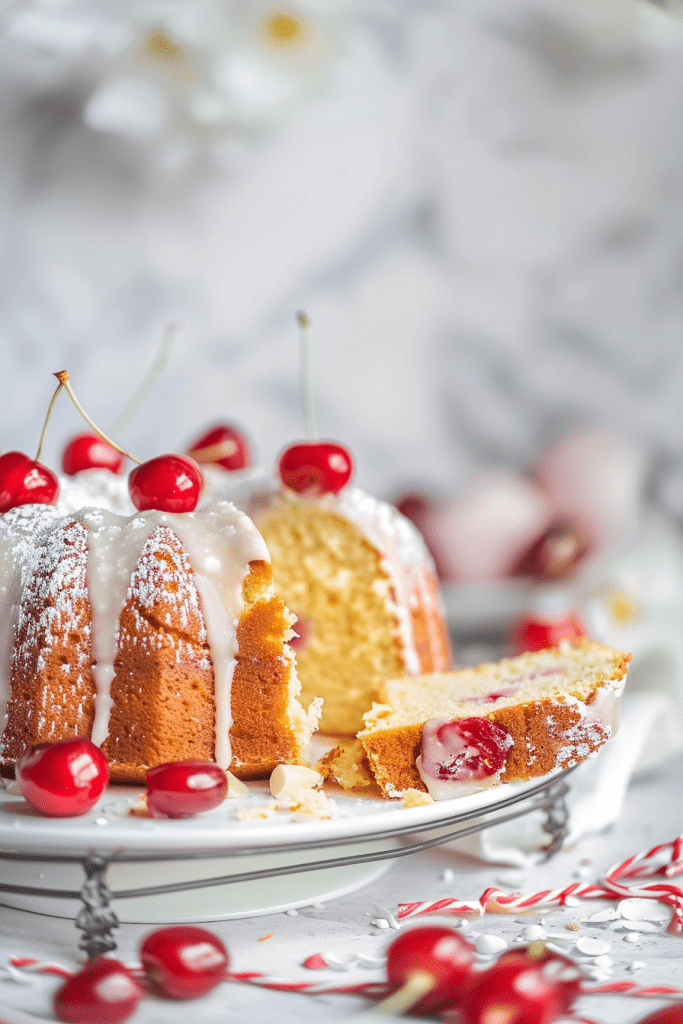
(264, 938)
(416, 798)
(261, 812)
(312, 803)
(347, 765)
(140, 809)
(572, 927)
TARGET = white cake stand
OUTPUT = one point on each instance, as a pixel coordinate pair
(216, 867)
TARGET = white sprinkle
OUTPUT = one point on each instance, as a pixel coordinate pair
(532, 933)
(382, 912)
(490, 944)
(292, 913)
(592, 947)
(371, 962)
(318, 906)
(638, 926)
(340, 963)
(556, 949)
(512, 879)
(633, 937)
(603, 961)
(448, 875)
(380, 922)
(642, 910)
(571, 901)
(101, 821)
(566, 938)
(637, 965)
(583, 872)
(611, 914)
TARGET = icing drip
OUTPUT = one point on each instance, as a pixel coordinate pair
(220, 543)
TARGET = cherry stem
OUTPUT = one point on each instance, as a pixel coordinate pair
(415, 986)
(47, 420)
(307, 375)
(63, 378)
(141, 394)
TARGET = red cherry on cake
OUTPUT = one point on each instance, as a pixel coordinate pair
(103, 992)
(64, 779)
(315, 467)
(440, 954)
(518, 990)
(169, 483)
(88, 451)
(25, 481)
(184, 962)
(180, 789)
(222, 445)
(536, 632)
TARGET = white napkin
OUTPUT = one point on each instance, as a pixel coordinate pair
(597, 790)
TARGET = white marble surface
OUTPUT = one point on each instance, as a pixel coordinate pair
(653, 813)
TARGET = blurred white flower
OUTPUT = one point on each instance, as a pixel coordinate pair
(185, 78)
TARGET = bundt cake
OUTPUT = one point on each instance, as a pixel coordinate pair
(158, 635)
(358, 576)
(459, 731)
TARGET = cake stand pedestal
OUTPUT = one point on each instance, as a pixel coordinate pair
(216, 868)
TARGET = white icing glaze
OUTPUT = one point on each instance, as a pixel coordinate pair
(20, 529)
(220, 541)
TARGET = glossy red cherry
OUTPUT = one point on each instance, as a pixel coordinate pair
(555, 967)
(103, 992)
(184, 961)
(437, 951)
(315, 467)
(169, 483)
(536, 632)
(222, 445)
(24, 481)
(465, 750)
(63, 779)
(665, 1015)
(180, 789)
(518, 990)
(88, 451)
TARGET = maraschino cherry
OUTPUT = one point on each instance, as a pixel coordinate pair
(169, 483)
(180, 789)
(26, 481)
(63, 779)
(313, 467)
(88, 451)
(536, 632)
(223, 445)
(184, 962)
(429, 968)
(464, 750)
(519, 990)
(103, 992)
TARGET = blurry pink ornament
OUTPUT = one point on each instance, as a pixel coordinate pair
(593, 479)
(481, 535)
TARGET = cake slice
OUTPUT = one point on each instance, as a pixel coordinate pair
(454, 732)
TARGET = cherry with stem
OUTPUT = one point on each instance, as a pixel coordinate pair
(313, 466)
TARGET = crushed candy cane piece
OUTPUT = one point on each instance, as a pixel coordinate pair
(315, 962)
